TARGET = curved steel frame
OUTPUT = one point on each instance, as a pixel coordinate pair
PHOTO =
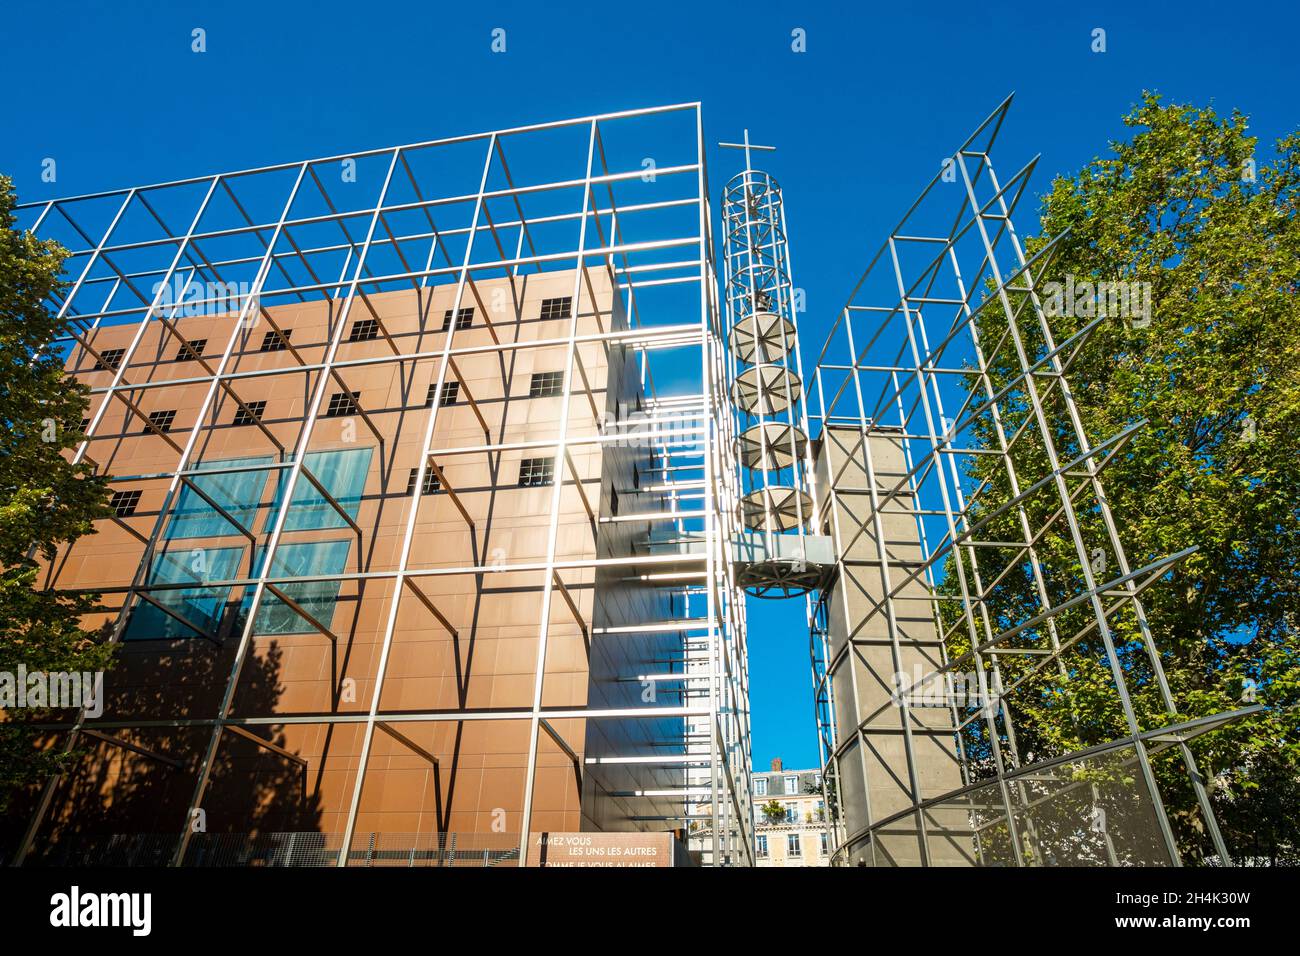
(894, 364)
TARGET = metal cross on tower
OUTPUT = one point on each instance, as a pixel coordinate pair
(746, 145)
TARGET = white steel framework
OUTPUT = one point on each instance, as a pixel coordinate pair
(574, 197)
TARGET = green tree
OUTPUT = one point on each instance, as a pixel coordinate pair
(44, 499)
(773, 812)
(1185, 205)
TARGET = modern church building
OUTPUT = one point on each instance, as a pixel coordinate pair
(444, 477)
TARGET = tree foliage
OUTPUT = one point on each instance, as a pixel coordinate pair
(1186, 205)
(773, 811)
(44, 499)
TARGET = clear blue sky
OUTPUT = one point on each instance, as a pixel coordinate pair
(114, 94)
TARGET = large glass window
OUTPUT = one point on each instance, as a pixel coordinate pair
(239, 493)
(317, 598)
(201, 606)
(343, 473)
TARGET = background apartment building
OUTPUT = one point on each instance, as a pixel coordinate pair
(797, 832)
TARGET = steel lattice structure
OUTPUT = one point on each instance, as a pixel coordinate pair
(767, 386)
(628, 251)
(683, 460)
(941, 368)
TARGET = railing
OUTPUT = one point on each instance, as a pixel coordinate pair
(814, 824)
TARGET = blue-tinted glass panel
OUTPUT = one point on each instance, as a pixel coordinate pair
(238, 493)
(317, 598)
(201, 606)
(343, 473)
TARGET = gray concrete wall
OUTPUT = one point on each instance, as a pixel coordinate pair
(884, 638)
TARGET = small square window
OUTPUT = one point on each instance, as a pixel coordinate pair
(558, 308)
(275, 341)
(450, 394)
(109, 359)
(123, 502)
(545, 384)
(363, 330)
(342, 403)
(85, 423)
(464, 318)
(250, 414)
(536, 471)
(161, 421)
(189, 351)
(431, 482)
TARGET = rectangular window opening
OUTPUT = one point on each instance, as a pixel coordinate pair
(560, 307)
(546, 384)
(363, 330)
(161, 421)
(189, 351)
(275, 341)
(109, 359)
(464, 318)
(250, 413)
(123, 502)
(536, 471)
(343, 404)
(431, 483)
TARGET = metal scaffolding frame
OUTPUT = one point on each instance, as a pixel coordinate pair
(266, 228)
(908, 361)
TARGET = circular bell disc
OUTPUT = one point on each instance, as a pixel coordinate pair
(766, 389)
(766, 335)
(784, 443)
(775, 508)
(778, 579)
